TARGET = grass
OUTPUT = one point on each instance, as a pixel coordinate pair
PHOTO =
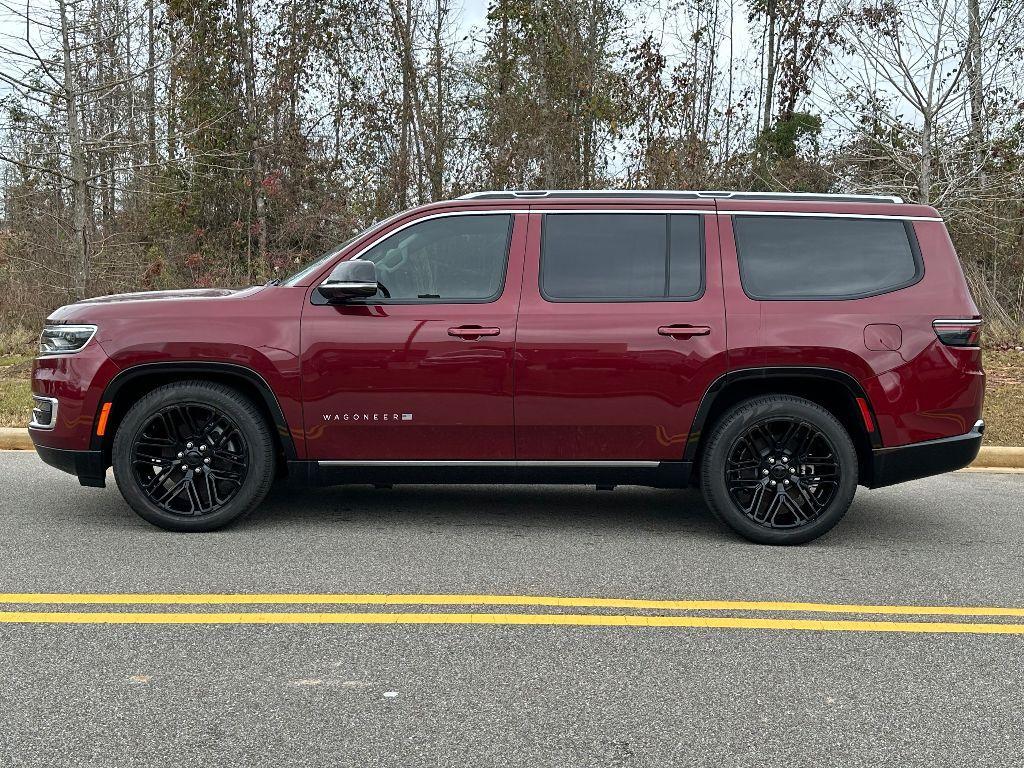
(1004, 395)
(17, 348)
(15, 401)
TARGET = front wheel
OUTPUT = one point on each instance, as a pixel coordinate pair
(193, 456)
(779, 469)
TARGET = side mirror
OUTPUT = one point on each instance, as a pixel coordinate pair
(350, 280)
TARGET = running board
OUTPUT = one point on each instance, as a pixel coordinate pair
(461, 463)
(664, 474)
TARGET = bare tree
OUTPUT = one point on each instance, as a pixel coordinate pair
(77, 75)
(918, 57)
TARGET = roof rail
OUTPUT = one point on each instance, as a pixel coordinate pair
(547, 194)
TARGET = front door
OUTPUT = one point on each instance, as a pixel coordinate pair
(423, 371)
(621, 331)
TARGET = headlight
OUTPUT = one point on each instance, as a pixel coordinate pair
(64, 339)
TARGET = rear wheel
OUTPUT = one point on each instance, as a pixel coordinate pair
(779, 469)
(193, 456)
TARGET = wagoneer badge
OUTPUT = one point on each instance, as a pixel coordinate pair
(367, 417)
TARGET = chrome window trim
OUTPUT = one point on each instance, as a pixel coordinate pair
(546, 210)
(661, 211)
(442, 215)
(694, 211)
(830, 215)
(53, 414)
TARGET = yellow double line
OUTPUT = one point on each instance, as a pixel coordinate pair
(701, 607)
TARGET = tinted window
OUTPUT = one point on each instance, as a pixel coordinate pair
(789, 257)
(621, 256)
(686, 269)
(450, 258)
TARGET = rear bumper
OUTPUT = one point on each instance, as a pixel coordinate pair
(87, 465)
(932, 457)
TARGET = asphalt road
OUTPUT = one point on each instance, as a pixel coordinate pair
(480, 695)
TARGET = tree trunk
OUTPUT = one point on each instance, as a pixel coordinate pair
(411, 136)
(728, 100)
(437, 156)
(252, 126)
(587, 172)
(974, 80)
(769, 85)
(151, 85)
(925, 180)
(172, 89)
(79, 169)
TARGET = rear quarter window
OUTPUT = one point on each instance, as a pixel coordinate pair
(803, 257)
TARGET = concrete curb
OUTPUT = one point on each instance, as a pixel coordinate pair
(15, 439)
(990, 457)
(1001, 457)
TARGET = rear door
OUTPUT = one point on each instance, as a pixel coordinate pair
(621, 330)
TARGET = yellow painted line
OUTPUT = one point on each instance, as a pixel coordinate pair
(43, 598)
(542, 619)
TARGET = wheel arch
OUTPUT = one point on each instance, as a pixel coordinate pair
(834, 390)
(132, 383)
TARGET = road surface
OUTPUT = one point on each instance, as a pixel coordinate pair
(205, 686)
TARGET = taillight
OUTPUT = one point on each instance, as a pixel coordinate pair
(958, 333)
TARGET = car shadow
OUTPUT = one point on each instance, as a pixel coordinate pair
(895, 518)
(904, 517)
(549, 506)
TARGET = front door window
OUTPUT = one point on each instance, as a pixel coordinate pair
(450, 258)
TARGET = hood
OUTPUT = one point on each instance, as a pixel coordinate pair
(88, 310)
(192, 293)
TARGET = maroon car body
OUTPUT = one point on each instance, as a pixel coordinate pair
(525, 388)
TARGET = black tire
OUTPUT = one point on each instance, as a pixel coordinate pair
(224, 475)
(779, 446)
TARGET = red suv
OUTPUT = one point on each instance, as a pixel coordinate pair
(777, 350)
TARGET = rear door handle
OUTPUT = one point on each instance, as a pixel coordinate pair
(684, 331)
(472, 331)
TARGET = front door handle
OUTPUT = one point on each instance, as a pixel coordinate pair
(684, 331)
(472, 331)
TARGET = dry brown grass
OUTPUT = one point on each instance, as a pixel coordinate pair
(1004, 396)
(17, 347)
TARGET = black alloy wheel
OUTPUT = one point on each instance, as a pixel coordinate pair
(193, 456)
(190, 459)
(782, 472)
(779, 469)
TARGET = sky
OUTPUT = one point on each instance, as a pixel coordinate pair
(474, 12)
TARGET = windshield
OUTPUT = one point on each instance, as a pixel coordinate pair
(298, 277)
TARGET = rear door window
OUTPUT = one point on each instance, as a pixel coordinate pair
(622, 257)
(803, 257)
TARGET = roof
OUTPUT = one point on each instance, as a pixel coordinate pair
(661, 194)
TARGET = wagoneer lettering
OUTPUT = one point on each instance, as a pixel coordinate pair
(777, 350)
(367, 417)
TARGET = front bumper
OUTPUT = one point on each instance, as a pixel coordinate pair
(87, 465)
(932, 457)
(73, 385)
